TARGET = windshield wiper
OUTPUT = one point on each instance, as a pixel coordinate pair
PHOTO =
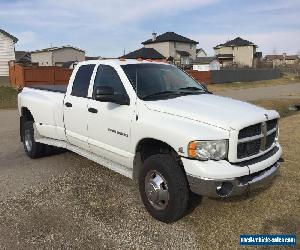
(160, 93)
(191, 88)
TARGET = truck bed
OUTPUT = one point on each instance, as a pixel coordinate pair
(52, 88)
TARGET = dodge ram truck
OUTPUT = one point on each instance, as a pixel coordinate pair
(152, 122)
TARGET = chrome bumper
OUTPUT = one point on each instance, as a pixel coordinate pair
(234, 186)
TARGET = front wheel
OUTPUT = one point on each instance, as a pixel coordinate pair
(163, 188)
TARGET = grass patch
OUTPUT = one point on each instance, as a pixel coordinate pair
(281, 105)
(8, 98)
(286, 79)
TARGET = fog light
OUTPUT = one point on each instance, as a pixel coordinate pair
(224, 189)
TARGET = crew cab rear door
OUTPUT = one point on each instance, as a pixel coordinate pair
(109, 124)
(76, 107)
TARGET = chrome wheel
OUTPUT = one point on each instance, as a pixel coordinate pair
(156, 189)
(28, 139)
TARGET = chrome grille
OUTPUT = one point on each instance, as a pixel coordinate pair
(256, 138)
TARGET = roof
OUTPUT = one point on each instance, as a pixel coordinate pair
(170, 37)
(183, 53)
(291, 57)
(9, 35)
(224, 56)
(204, 60)
(198, 50)
(22, 56)
(258, 54)
(144, 53)
(281, 57)
(93, 57)
(236, 42)
(57, 48)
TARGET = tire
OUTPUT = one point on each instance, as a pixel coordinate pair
(32, 148)
(163, 188)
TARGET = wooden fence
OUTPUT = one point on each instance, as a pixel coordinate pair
(21, 76)
(200, 76)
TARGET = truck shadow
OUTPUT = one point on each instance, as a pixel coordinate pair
(194, 201)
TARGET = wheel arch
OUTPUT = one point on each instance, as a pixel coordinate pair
(150, 146)
(25, 116)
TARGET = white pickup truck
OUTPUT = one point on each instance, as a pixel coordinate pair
(153, 123)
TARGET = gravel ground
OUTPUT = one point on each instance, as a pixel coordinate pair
(67, 202)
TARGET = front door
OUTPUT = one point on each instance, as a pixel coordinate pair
(109, 123)
(76, 107)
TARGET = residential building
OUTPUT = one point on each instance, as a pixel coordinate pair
(22, 57)
(238, 51)
(206, 63)
(144, 53)
(284, 59)
(7, 51)
(52, 56)
(172, 46)
(200, 53)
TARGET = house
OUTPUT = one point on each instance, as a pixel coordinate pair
(52, 56)
(67, 65)
(173, 46)
(200, 53)
(22, 57)
(284, 59)
(206, 63)
(144, 53)
(7, 51)
(237, 51)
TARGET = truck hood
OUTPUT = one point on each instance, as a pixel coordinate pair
(222, 112)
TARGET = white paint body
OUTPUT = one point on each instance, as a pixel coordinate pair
(175, 121)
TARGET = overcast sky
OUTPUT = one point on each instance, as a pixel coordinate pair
(106, 28)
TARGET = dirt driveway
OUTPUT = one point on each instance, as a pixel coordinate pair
(65, 201)
(291, 90)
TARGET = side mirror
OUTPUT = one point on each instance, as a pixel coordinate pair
(107, 94)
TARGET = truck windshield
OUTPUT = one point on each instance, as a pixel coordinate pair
(160, 81)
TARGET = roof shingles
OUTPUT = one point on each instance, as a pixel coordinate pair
(9, 35)
(144, 53)
(170, 37)
(236, 42)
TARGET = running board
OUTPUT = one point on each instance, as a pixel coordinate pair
(123, 170)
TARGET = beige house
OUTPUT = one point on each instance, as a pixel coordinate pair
(200, 53)
(173, 47)
(238, 51)
(284, 59)
(57, 55)
(7, 51)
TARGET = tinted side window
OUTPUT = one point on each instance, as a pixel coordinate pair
(108, 76)
(82, 80)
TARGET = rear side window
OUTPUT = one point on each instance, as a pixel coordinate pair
(82, 80)
(108, 76)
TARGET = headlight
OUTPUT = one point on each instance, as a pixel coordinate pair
(208, 150)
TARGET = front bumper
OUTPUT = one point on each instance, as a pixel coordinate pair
(239, 179)
(235, 186)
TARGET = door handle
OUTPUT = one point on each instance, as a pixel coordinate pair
(68, 104)
(92, 110)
